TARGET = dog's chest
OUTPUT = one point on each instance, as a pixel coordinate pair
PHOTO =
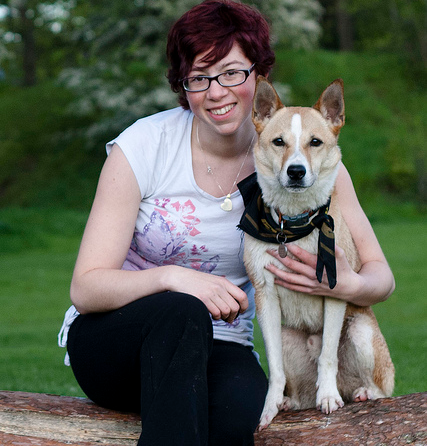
(299, 310)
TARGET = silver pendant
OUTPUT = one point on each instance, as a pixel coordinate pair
(227, 204)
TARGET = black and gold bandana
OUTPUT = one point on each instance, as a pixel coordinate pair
(258, 222)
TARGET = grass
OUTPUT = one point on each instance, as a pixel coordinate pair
(38, 248)
(37, 252)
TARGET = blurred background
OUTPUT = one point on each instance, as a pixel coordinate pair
(74, 74)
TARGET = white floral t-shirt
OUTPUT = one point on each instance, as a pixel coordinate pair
(178, 223)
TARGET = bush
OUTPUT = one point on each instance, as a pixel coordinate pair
(40, 150)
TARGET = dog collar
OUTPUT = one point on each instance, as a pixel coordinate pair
(258, 222)
(297, 220)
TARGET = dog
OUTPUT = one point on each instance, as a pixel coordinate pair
(321, 351)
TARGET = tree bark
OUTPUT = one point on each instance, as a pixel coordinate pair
(345, 29)
(389, 421)
(29, 47)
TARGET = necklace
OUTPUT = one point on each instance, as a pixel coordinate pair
(227, 202)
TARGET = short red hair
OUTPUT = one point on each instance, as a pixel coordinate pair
(216, 25)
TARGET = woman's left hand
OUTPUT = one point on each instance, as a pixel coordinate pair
(302, 275)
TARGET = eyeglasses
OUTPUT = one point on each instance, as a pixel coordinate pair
(230, 78)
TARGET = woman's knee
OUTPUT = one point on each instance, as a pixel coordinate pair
(185, 309)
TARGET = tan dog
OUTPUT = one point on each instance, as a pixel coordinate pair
(321, 351)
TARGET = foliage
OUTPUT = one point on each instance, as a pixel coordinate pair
(397, 25)
(394, 26)
(40, 149)
(34, 39)
(110, 56)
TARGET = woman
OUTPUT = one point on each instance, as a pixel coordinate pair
(164, 308)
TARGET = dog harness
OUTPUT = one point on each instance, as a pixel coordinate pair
(257, 221)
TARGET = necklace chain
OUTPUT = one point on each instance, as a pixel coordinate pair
(227, 203)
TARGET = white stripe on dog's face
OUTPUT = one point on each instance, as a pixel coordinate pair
(297, 158)
(296, 129)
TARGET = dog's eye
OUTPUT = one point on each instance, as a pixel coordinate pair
(315, 142)
(279, 142)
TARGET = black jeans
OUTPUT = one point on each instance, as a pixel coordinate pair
(156, 356)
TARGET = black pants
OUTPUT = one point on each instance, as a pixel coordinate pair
(156, 356)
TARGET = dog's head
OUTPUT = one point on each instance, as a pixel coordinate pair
(297, 150)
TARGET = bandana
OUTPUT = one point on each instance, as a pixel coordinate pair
(258, 222)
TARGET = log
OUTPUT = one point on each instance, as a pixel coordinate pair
(51, 420)
(389, 421)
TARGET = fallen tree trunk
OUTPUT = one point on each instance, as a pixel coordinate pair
(50, 420)
(390, 421)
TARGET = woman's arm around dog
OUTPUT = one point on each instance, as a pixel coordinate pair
(372, 284)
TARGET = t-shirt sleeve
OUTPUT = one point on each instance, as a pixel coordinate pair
(141, 143)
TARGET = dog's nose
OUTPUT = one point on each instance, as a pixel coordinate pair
(296, 171)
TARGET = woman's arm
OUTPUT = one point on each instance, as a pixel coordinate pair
(372, 284)
(99, 283)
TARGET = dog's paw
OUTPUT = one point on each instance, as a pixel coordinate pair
(266, 418)
(363, 394)
(268, 414)
(329, 404)
(273, 402)
(289, 404)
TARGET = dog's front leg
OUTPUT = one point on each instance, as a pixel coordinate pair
(269, 318)
(328, 397)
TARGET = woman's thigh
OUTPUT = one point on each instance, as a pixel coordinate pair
(106, 348)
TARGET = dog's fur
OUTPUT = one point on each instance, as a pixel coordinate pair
(327, 351)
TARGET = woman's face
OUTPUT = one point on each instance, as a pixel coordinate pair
(223, 110)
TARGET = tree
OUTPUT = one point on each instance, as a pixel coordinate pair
(397, 26)
(32, 31)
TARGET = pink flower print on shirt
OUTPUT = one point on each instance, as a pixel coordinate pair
(165, 240)
(186, 218)
(162, 203)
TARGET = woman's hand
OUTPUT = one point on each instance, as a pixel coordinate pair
(223, 299)
(303, 278)
(371, 285)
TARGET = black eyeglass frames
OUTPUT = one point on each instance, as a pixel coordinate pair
(230, 78)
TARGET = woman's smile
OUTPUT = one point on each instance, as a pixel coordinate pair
(223, 110)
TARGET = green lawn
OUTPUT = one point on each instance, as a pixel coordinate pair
(38, 248)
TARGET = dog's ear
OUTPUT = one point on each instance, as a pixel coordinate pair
(266, 102)
(331, 105)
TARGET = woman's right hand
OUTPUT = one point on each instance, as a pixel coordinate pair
(223, 299)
